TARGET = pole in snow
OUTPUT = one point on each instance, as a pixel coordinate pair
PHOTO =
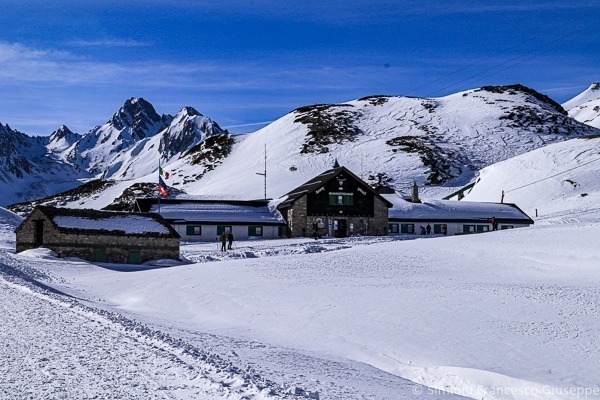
(264, 173)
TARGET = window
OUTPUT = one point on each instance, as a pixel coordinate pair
(440, 229)
(336, 199)
(134, 257)
(194, 230)
(483, 228)
(407, 228)
(393, 228)
(468, 228)
(99, 255)
(223, 228)
(255, 231)
(506, 227)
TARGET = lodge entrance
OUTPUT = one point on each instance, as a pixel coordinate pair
(340, 228)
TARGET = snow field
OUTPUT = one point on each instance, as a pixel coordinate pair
(471, 314)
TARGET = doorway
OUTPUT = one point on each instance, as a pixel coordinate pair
(340, 228)
(38, 233)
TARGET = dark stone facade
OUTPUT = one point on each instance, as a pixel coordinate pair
(93, 246)
(360, 210)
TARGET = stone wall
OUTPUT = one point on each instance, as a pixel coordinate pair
(84, 246)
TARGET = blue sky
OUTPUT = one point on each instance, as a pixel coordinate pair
(247, 62)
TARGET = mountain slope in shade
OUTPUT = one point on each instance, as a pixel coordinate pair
(394, 140)
(585, 107)
(560, 180)
(28, 170)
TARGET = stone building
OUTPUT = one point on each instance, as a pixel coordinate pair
(336, 203)
(100, 236)
(198, 219)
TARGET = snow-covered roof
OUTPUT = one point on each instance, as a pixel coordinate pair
(129, 224)
(108, 222)
(225, 212)
(447, 210)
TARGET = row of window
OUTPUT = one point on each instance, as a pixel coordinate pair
(253, 230)
(439, 228)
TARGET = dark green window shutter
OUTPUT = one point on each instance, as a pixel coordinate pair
(99, 255)
(280, 231)
(134, 257)
(190, 230)
(348, 200)
(332, 200)
(437, 228)
(220, 229)
(251, 231)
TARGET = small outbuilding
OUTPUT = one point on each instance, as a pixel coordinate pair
(335, 203)
(100, 236)
(201, 219)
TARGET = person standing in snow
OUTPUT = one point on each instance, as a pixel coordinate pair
(224, 241)
(444, 229)
(428, 229)
(230, 240)
(423, 231)
(494, 224)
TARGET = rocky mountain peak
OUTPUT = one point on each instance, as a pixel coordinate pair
(516, 88)
(191, 111)
(63, 133)
(138, 115)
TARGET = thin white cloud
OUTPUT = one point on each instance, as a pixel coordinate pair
(109, 43)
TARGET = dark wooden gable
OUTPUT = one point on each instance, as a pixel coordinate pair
(355, 197)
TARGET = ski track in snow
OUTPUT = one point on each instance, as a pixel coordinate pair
(61, 348)
(54, 347)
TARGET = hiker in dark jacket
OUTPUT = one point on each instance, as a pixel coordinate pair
(428, 229)
(230, 239)
(224, 241)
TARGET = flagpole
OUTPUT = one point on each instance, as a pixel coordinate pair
(159, 194)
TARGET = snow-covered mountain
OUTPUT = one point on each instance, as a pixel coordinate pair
(135, 121)
(585, 107)
(561, 182)
(28, 170)
(385, 139)
(127, 146)
(62, 139)
(395, 140)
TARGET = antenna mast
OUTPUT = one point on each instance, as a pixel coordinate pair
(265, 172)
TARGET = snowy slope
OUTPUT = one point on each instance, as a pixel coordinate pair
(585, 107)
(8, 223)
(504, 315)
(394, 140)
(561, 182)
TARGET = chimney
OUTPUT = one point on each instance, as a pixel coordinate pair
(414, 198)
